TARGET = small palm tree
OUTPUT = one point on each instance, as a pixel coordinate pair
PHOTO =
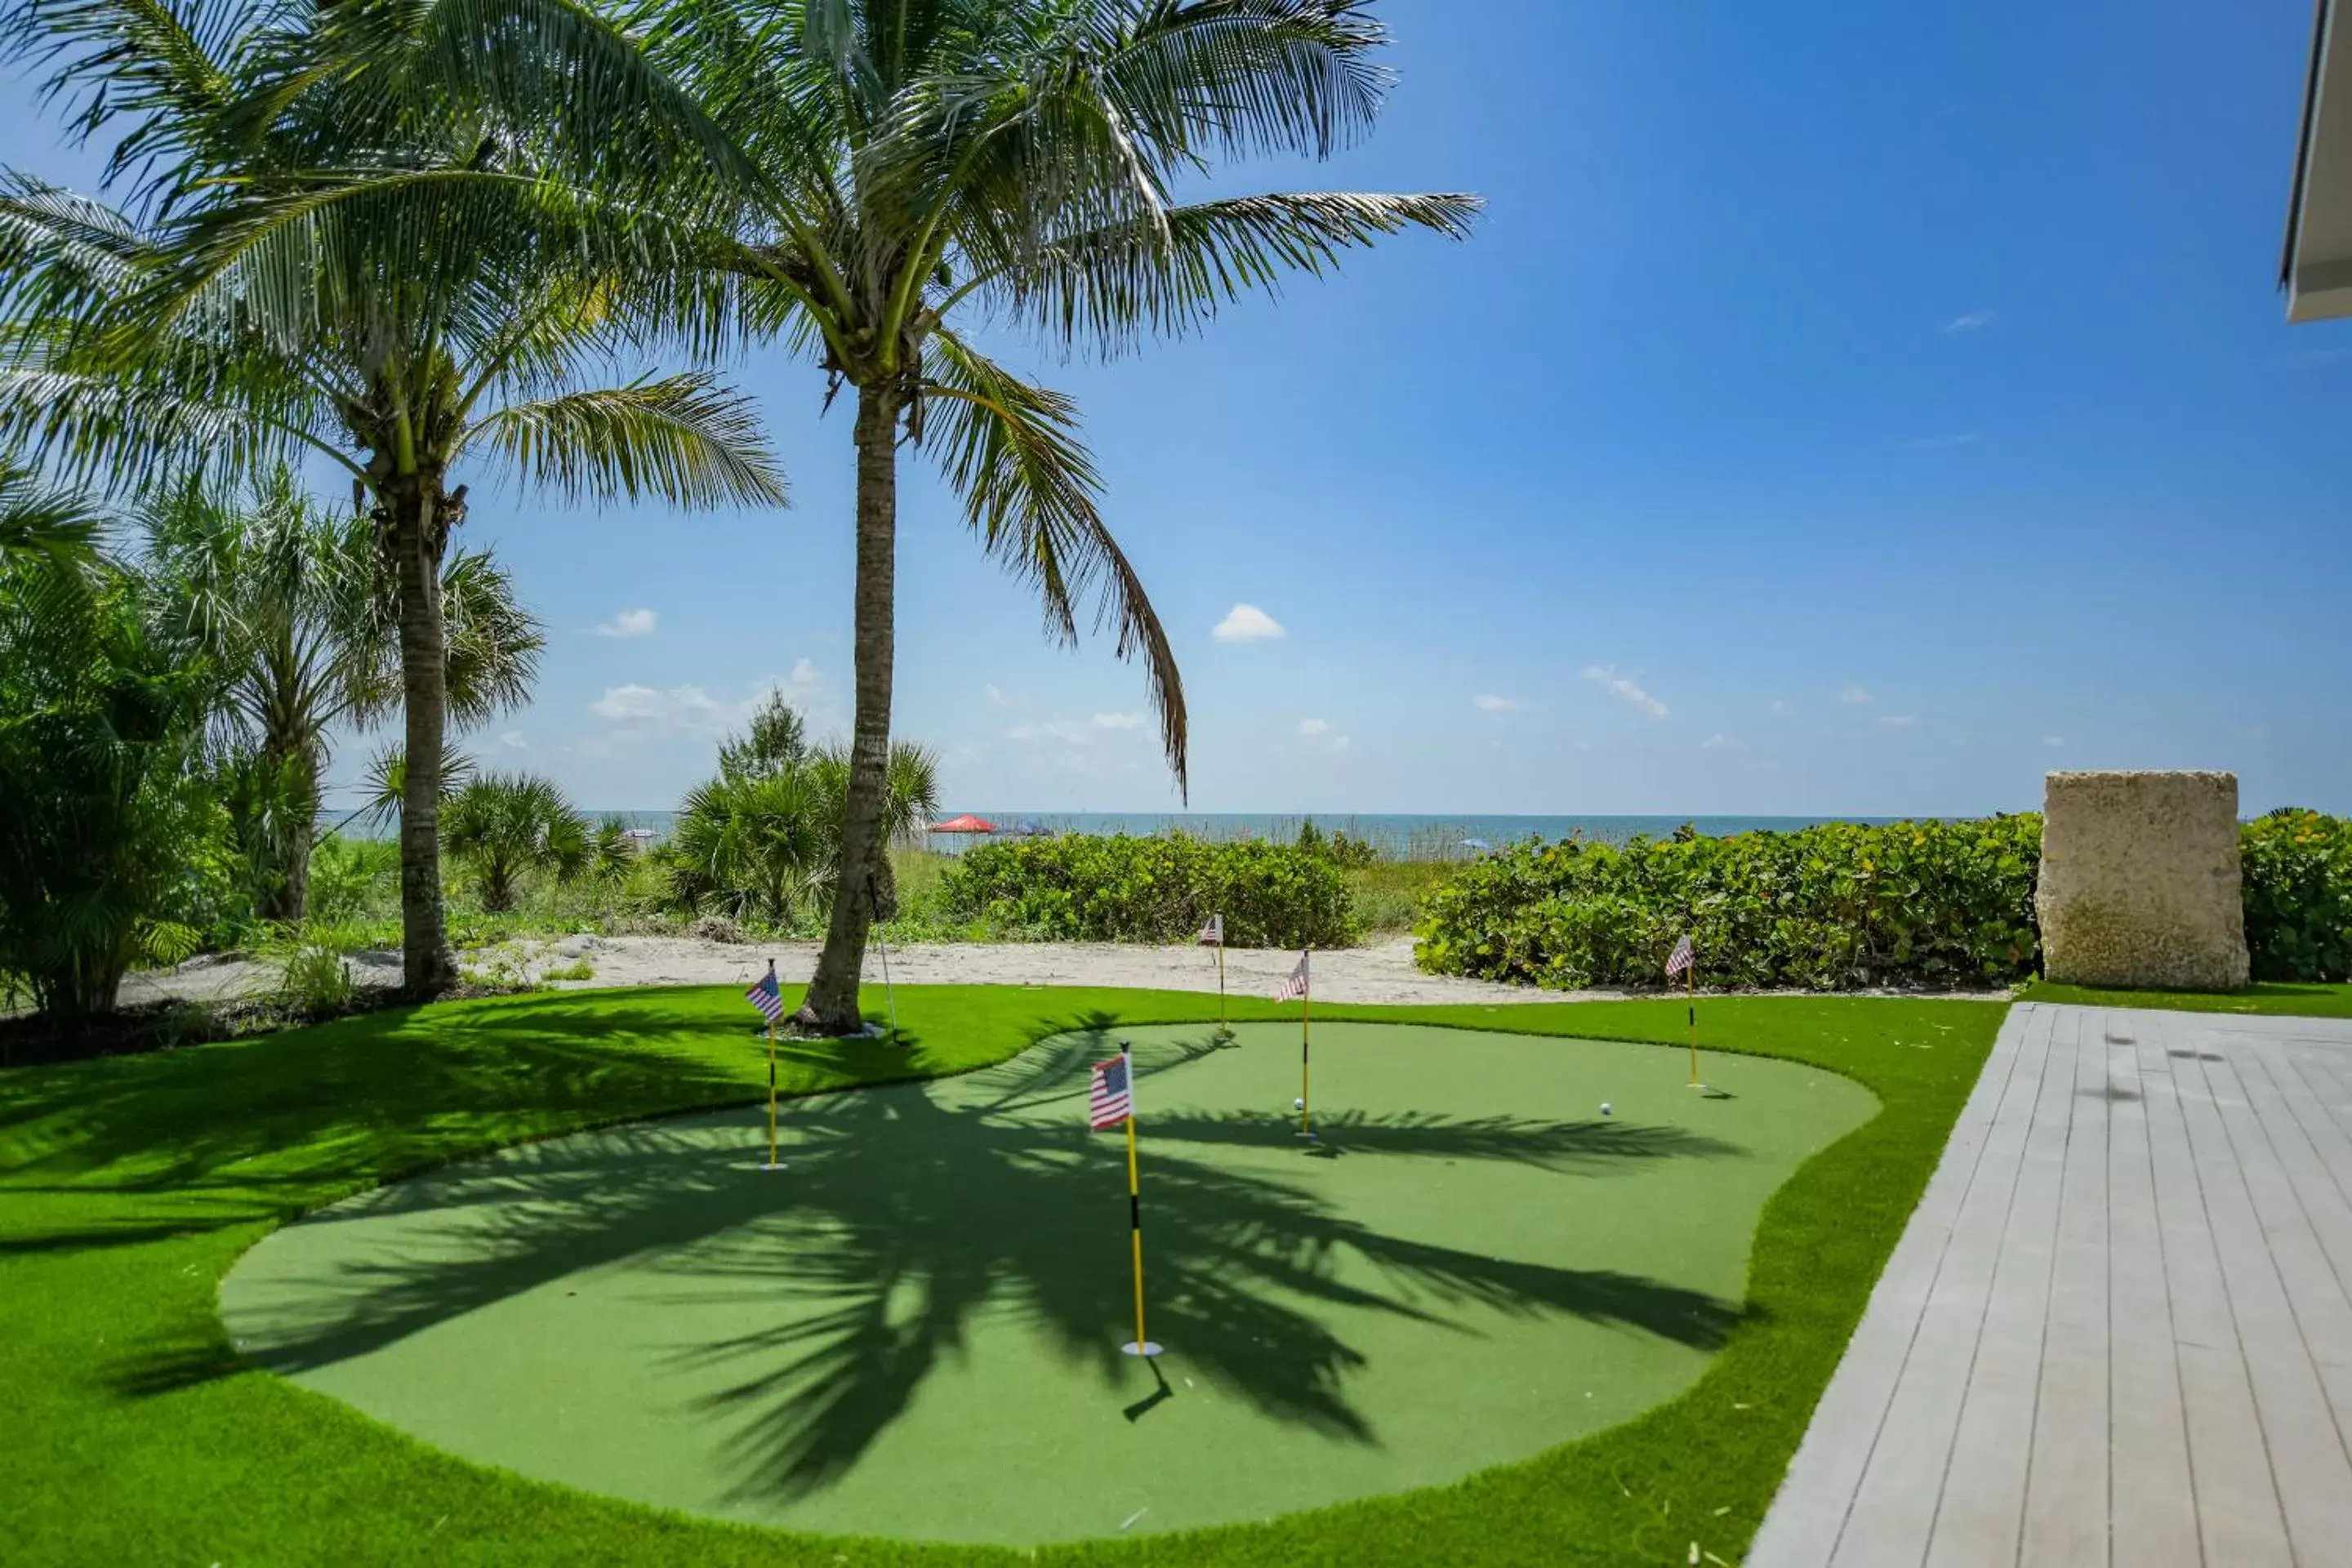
(393, 240)
(764, 837)
(501, 827)
(299, 612)
(922, 165)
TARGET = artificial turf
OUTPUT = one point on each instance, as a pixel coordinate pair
(914, 1329)
(129, 1187)
(2269, 998)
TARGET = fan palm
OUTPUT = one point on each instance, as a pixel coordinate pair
(299, 612)
(925, 163)
(503, 826)
(392, 238)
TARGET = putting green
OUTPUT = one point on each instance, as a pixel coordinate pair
(914, 1331)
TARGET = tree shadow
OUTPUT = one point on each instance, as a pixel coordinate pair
(906, 1215)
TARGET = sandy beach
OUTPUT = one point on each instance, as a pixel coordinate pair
(1379, 973)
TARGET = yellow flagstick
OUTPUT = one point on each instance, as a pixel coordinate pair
(1690, 1003)
(1306, 1030)
(1143, 1346)
(773, 1163)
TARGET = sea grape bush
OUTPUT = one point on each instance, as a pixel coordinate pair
(2297, 868)
(1832, 907)
(1163, 888)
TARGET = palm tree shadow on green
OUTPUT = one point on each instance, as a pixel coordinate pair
(906, 1216)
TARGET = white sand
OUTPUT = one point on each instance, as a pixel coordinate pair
(1382, 973)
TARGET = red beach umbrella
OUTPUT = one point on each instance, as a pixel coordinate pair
(967, 823)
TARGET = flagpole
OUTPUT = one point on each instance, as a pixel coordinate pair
(773, 1163)
(1220, 984)
(1141, 1347)
(1306, 1030)
(1690, 1004)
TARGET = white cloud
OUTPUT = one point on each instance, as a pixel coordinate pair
(1314, 726)
(1855, 694)
(1942, 443)
(629, 624)
(635, 703)
(690, 709)
(1069, 732)
(1720, 744)
(1119, 720)
(1247, 623)
(1779, 706)
(2054, 739)
(1487, 703)
(1974, 321)
(513, 741)
(1898, 721)
(1620, 686)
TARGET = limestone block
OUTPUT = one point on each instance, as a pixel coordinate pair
(2140, 882)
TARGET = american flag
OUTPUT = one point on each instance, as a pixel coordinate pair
(1680, 960)
(767, 996)
(1213, 934)
(1296, 986)
(1110, 1098)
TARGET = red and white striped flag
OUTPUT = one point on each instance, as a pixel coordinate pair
(1681, 959)
(1213, 934)
(1295, 987)
(1111, 1093)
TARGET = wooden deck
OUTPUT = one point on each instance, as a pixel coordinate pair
(2118, 1329)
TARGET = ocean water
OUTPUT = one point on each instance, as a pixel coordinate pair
(1424, 836)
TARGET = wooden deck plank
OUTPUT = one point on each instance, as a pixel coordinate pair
(2268, 1258)
(2067, 1486)
(1981, 1512)
(1814, 1499)
(2153, 1506)
(2119, 1328)
(1895, 1506)
(2237, 1513)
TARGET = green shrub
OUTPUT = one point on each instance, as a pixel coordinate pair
(317, 981)
(1080, 888)
(1830, 908)
(2298, 893)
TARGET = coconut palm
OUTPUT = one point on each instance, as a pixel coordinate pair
(392, 240)
(298, 610)
(925, 163)
(504, 827)
(39, 521)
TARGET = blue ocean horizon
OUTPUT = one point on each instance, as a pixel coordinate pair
(1396, 834)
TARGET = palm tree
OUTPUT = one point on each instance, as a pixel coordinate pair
(765, 835)
(40, 523)
(503, 826)
(298, 610)
(102, 708)
(925, 163)
(389, 239)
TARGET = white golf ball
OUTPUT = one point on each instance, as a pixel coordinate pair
(1605, 1108)
(1299, 1105)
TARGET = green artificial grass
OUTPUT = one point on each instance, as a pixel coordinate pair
(910, 1330)
(130, 1187)
(2271, 999)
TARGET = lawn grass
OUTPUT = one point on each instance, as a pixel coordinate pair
(129, 1187)
(2269, 999)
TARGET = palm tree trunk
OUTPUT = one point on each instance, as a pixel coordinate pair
(290, 817)
(832, 1005)
(416, 536)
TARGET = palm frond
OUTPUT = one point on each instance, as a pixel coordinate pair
(42, 521)
(126, 435)
(683, 438)
(1113, 287)
(1030, 491)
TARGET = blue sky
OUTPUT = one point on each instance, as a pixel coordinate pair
(1840, 409)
